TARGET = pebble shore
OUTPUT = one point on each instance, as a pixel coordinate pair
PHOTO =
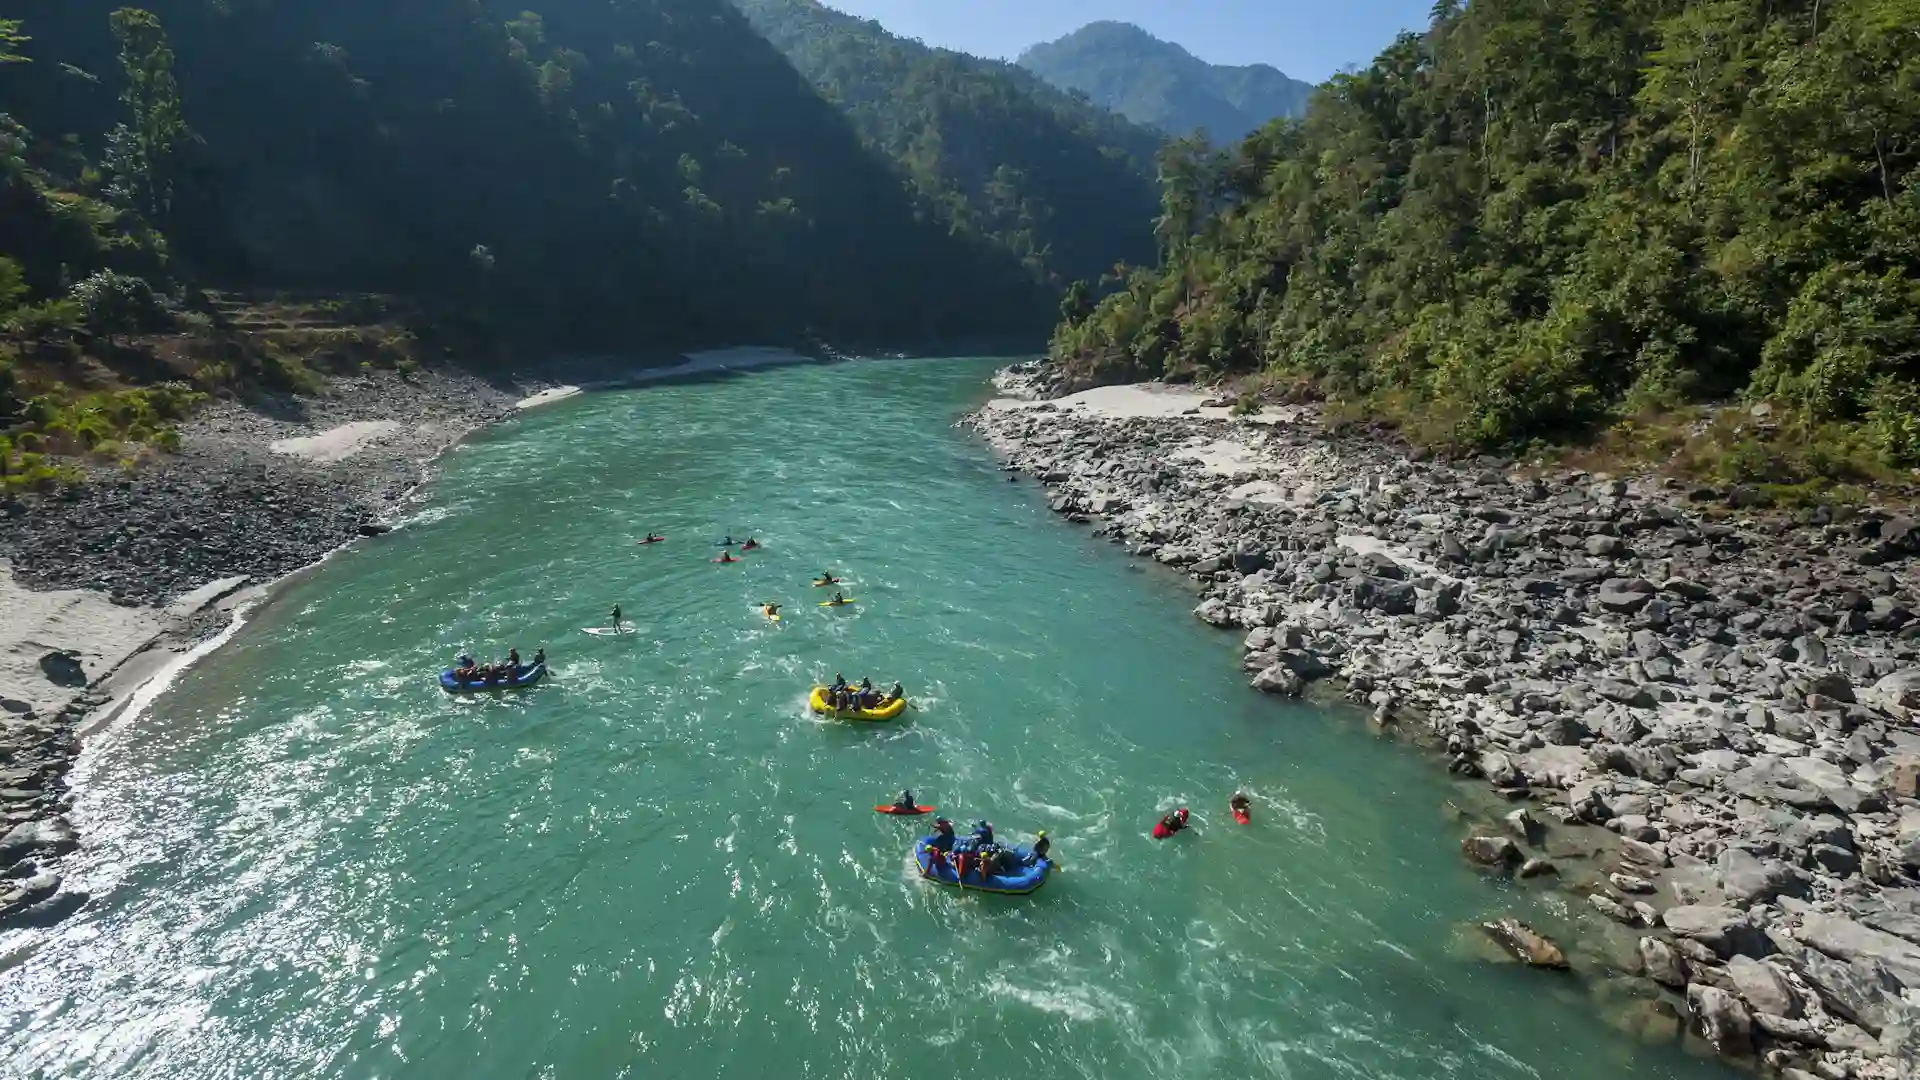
(1733, 692)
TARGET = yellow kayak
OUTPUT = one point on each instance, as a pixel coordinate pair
(818, 702)
(772, 616)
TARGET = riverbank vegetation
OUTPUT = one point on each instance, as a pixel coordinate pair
(587, 177)
(1562, 221)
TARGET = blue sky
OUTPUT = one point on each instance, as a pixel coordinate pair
(1306, 39)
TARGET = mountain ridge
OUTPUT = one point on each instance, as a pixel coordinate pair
(1123, 67)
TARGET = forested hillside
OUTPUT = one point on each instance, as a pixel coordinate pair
(993, 152)
(1540, 219)
(604, 171)
(1157, 83)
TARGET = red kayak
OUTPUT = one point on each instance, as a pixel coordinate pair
(1160, 830)
(655, 540)
(902, 810)
(1240, 815)
(727, 560)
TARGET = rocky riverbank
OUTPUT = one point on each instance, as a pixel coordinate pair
(1734, 693)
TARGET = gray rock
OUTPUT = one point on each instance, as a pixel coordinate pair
(1746, 879)
(1863, 991)
(1496, 851)
(1763, 987)
(1214, 612)
(1525, 826)
(1606, 547)
(1721, 1019)
(1844, 939)
(1621, 601)
(1534, 868)
(1278, 679)
(52, 836)
(1499, 769)
(1725, 930)
(1663, 964)
(1526, 944)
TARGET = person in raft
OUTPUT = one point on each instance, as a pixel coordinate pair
(943, 838)
(1171, 824)
(1239, 802)
(894, 695)
(905, 802)
(1041, 845)
(540, 656)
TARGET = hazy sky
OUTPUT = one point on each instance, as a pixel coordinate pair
(1307, 39)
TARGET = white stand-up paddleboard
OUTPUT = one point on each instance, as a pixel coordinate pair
(612, 631)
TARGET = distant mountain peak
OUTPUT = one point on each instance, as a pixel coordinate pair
(1153, 81)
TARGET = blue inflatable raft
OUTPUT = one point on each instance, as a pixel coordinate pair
(1032, 874)
(526, 676)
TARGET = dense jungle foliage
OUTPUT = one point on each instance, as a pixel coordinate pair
(603, 170)
(1157, 83)
(1548, 218)
(1063, 185)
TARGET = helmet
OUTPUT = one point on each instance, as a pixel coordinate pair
(1042, 835)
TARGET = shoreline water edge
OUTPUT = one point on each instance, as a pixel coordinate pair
(1733, 695)
(108, 591)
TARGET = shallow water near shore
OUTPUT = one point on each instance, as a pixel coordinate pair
(308, 861)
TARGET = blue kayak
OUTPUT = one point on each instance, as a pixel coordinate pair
(526, 676)
(1031, 875)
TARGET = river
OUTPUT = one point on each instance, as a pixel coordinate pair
(308, 861)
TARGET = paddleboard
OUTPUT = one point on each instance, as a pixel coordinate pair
(898, 810)
(611, 631)
(838, 603)
(1242, 816)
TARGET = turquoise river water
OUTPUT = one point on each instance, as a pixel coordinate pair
(308, 861)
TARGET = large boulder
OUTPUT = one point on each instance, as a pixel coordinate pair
(1863, 991)
(1529, 946)
(1278, 679)
(1844, 939)
(1496, 851)
(1663, 963)
(1385, 596)
(1214, 612)
(1745, 878)
(62, 668)
(1763, 987)
(53, 836)
(1721, 1019)
(1723, 929)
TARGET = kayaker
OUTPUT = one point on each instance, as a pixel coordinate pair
(652, 539)
(770, 609)
(750, 545)
(827, 578)
(943, 838)
(1171, 824)
(726, 556)
(1239, 802)
(838, 599)
(905, 802)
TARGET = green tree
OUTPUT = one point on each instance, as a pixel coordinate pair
(11, 39)
(145, 155)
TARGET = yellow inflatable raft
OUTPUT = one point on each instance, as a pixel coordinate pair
(818, 702)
